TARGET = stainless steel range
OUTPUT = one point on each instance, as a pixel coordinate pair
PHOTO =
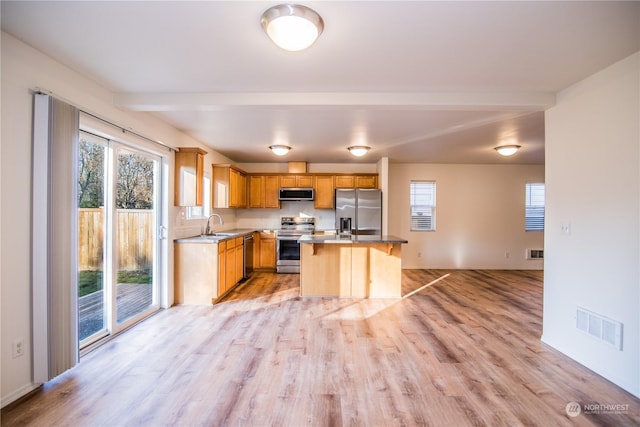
(288, 248)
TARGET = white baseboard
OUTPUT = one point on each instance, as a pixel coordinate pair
(19, 393)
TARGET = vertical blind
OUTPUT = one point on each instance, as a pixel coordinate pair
(54, 256)
(534, 207)
(423, 205)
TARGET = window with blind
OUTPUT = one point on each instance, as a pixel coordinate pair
(534, 207)
(423, 205)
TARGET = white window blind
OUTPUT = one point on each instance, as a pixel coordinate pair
(534, 207)
(423, 205)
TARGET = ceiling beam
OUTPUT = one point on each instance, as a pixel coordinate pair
(451, 101)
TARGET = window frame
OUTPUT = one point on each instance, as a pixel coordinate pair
(534, 210)
(416, 210)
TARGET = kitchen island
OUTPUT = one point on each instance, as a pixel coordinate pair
(364, 266)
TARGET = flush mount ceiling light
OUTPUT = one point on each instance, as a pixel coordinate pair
(279, 150)
(507, 150)
(358, 150)
(292, 27)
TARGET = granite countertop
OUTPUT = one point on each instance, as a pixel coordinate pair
(216, 237)
(334, 239)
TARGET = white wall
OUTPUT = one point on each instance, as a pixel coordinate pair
(24, 69)
(479, 216)
(593, 183)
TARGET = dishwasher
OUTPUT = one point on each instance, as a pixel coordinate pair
(248, 256)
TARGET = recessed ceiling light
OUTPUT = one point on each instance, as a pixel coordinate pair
(292, 27)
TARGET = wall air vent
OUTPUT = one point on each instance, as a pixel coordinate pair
(600, 327)
(535, 254)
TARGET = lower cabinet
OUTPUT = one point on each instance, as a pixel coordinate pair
(203, 272)
(265, 251)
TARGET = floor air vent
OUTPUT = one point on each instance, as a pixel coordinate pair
(600, 327)
(535, 254)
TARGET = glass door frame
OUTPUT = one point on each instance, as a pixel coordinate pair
(160, 250)
(117, 148)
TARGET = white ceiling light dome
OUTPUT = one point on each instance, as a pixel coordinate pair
(279, 150)
(292, 27)
(359, 150)
(507, 150)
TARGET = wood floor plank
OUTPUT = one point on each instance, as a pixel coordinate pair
(462, 350)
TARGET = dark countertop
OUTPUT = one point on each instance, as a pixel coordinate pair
(334, 239)
(217, 237)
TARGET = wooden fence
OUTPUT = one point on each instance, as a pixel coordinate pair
(135, 239)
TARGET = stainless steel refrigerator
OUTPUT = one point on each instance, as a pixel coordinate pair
(359, 211)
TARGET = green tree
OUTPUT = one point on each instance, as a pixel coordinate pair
(135, 182)
(90, 174)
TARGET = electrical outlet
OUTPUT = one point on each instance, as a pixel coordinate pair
(18, 348)
(506, 254)
(419, 254)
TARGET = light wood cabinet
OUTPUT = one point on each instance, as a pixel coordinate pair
(234, 262)
(197, 273)
(189, 176)
(222, 267)
(357, 181)
(239, 267)
(366, 181)
(271, 191)
(229, 187)
(265, 251)
(296, 181)
(345, 181)
(263, 191)
(324, 192)
(371, 270)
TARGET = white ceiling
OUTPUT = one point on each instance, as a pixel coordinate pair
(418, 81)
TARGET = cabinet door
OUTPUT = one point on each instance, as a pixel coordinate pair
(230, 266)
(323, 186)
(242, 191)
(222, 267)
(256, 191)
(234, 181)
(239, 263)
(267, 253)
(366, 181)
(304, 181)
(345, 181)
(271, 190)
(287, 181)
(188, 178)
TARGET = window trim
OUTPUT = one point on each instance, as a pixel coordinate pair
(533, 222)
(413, 219)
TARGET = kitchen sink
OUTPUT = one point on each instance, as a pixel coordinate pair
(214, 235)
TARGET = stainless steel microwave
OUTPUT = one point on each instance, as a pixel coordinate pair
(296, 194)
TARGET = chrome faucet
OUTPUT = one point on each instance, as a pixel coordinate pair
(207, 230)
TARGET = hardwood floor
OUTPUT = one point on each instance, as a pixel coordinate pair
(464, 350)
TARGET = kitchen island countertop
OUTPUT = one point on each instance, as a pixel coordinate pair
(351, 239)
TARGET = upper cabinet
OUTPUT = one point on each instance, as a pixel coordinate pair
(357, 181)
(229, 187)
(263, 191)
(296, 181)
(323, 186)
(188, 178)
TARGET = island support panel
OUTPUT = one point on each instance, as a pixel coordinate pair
(366, 270)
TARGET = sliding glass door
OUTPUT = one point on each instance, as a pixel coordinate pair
(91, 172)
(118, 222)
(136, 218)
